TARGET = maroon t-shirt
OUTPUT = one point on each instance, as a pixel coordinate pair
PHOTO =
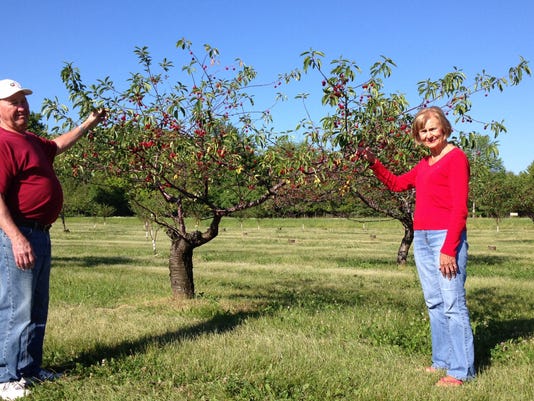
(28, 182)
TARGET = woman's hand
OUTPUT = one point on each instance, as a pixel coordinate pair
(367, 154)
(448, 266)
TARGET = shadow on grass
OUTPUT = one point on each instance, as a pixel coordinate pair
(500, 332)
(491, 329)
(518, 241)
(488, 260)
(380, 263)
(281, 296)
(220, 323)
(90, 261)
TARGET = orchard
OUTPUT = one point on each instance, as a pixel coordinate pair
(191, 142)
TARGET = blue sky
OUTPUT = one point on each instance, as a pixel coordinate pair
(425, 39)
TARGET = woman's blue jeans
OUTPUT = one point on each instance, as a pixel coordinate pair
(23, 307)
(452, 337)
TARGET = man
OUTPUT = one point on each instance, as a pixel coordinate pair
(30, 201)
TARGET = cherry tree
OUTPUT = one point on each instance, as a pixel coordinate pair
(191, 144)
(364, 115)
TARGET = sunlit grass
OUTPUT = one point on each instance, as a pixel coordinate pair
(286, 309)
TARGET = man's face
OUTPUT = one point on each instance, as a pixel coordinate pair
(14, 113)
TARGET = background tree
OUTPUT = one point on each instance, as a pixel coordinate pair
(523, 200)
(497, 198)
(365, 115)
(190, 145)
(36, 126)
(484, 162)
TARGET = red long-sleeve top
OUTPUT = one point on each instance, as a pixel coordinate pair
(441, 192)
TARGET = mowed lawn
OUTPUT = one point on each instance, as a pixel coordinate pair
(286, 309)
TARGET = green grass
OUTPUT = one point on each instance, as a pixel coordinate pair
(286, 309)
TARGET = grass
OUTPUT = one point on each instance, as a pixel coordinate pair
(286, 309)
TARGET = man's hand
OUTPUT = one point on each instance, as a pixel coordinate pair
(94, 119)
(23, 253)
(22, 249)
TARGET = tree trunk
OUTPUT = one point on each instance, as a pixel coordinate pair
(65, 229)
(181, 256)
(181, 269)
(402, 254)
(403, 213)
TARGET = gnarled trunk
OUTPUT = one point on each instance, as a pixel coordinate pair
(406, 242)
(181, 269)
(181, 256)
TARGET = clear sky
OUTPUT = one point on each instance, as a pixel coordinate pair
(424, 38)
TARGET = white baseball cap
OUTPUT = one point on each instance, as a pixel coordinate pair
(8, 88)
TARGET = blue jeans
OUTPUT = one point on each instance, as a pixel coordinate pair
(23, 307)
(452, 337)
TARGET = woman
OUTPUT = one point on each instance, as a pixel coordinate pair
(441, 182)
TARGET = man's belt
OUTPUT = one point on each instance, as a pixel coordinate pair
(33, 224)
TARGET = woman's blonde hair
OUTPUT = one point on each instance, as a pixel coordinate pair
(424, 115)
